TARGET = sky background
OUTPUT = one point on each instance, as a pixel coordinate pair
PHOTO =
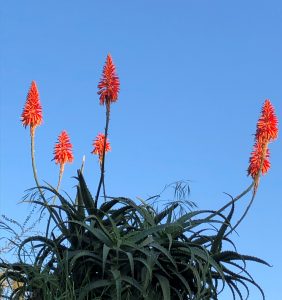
(194, 76)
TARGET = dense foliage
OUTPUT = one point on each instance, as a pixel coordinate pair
(124, 250)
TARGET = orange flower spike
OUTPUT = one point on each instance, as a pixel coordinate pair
(109, 83)
(267, 131)
(32, 113)
(63, 149)
(259, 161)
(62, 155)
(98, 145)
(267, 126)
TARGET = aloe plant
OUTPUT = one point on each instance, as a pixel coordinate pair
(123, 250)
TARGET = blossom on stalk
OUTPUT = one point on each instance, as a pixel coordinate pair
(267, 131)
(63, 149)
(99, 144)
(32, 112)
(62, 155)
(32, 116)
(267, 126)
(259, 161)
(109, 83)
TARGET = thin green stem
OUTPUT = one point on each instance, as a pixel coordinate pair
(104, 190)
(62, 167)
(230, 202)
(244, 214)
(32, 135)
(104, 151)
(255, 183)
(103, 183)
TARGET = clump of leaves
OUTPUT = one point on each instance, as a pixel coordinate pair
(123, 250)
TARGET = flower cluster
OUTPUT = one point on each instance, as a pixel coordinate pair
(63, 149)
(99, 144)
(32, 113)
(108, 89)
(109, 83)
(267, 131)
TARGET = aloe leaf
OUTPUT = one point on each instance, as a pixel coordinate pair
(158, 218)
(87, 198)
(117, 279)
(218, 240)
(106, 251)
(98, 233)
(164, 285)
(92, 286)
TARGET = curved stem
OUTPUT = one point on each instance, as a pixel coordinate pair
(104, 151)
(32, 134)
(244, 214)
(255, 183)
(62, 167)
(104, 190)
(230, 202)
(103, 182)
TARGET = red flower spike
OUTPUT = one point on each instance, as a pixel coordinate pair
(267, 131)
(63, 149)
(259, 160)
(267, 126)
(98, 145)
(32, 113)
(109, 83)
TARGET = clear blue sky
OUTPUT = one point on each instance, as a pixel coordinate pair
(194, 75)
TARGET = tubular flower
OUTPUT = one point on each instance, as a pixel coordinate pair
(267, 126)
(32, 113)
(259, 161)
(267, 131)
(98, 145)
(63, 149)
(109, 83)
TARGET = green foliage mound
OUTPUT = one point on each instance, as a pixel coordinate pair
(123, 250)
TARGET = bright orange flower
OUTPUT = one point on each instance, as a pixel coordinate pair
(98, 145)
(267, 131)
(63, 149)
(267, 126)
(259, 160)
(109, 83)
(32, 113)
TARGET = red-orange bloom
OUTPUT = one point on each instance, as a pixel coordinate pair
(259, 160)
(267, 131)
(32, 113)
(98, 145)
(109, 83)
(267, 126)
(63, 149)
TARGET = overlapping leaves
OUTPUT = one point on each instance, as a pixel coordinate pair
(123, 250)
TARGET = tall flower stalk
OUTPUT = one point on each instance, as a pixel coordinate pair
(259, 163)
(62, 155)
(108, 91)
(32, 116)
(266, 132)
(100, 146)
